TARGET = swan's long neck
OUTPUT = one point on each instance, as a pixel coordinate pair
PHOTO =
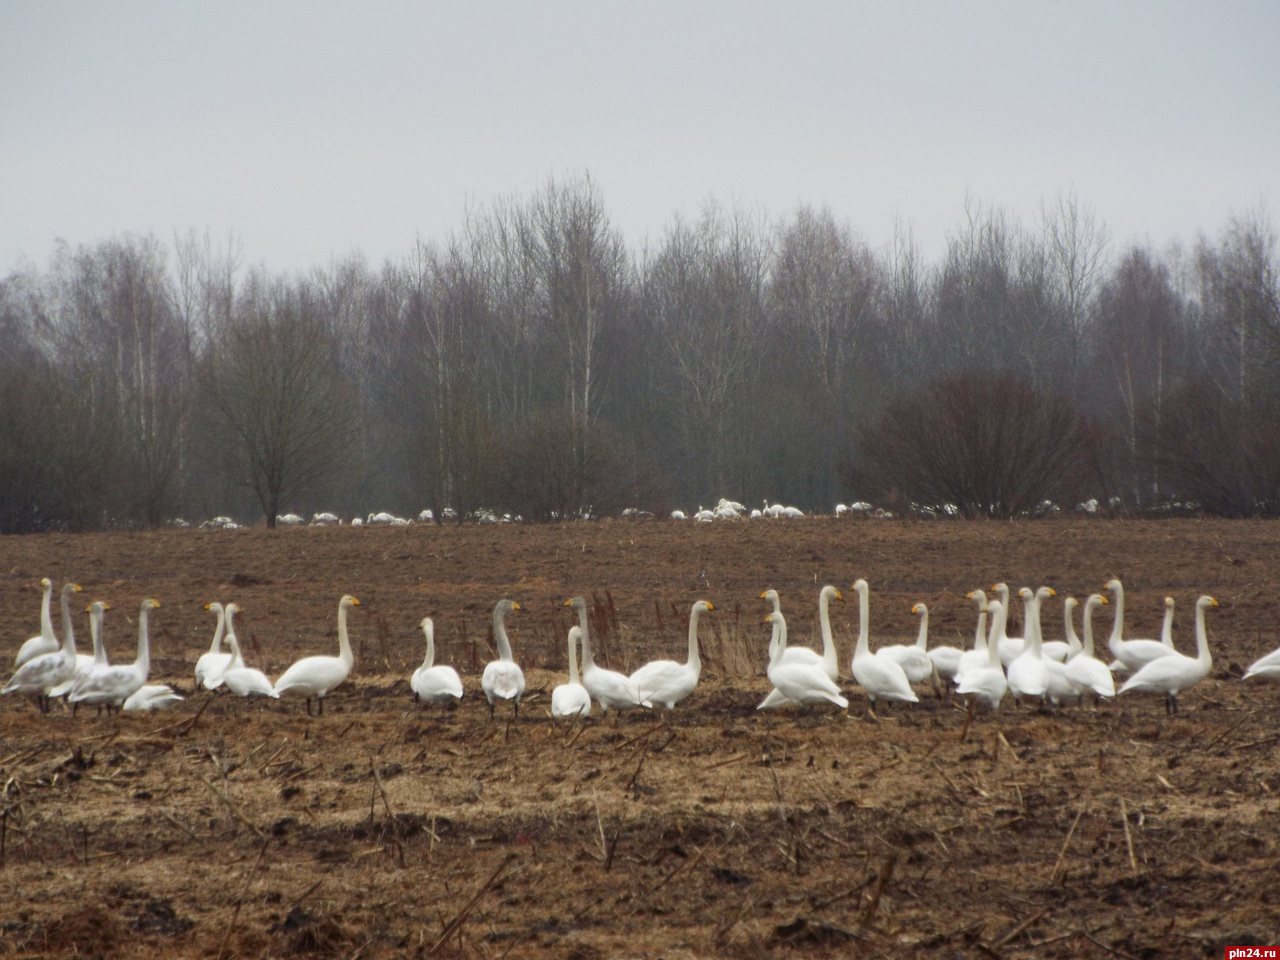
(922, 641)
(1031, 624)
(824, 624)
(428, 632)
(237, 657)
(68, 631)
(573, 656)
(695, 658)
(95, 631)
(863, 648)
(998, 622)
(1166, 629)
(778, 641)
(1087, 624)
(1203, 656)
(46, 614)
(344, 642)
(1117, 626)
(980, 636)
(500, 634)
(218, 631)
(1069, 627)
(143, 663)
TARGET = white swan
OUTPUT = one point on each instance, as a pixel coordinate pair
(152, 696)
(913, 658)
(212, 664)
(771, 596)
(609, 688)
(987, 682)
(1028, 676)
(1010, 647)
(945, 659)
(86, 666)
(241, 680)
(503, 677)
(112, 686)
(316, 676)
(46, 641)
(1068, 647)
(667, 682)
(430, 683)
(571, 699)
(880, 677)
(1172, 674)
(828, 659)
(41, 674)
(1133, 654)
(1084, 669)
(798, 682)
(1266, 668)
(976, 659)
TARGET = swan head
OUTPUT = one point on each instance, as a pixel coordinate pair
(46, 583)
(919, 609)
(98, 606)
(860, 586)
(773, 618)
(348, 601)
(427, 624)
(702, 606)
(506, 606)
(1044, 593)
(1168, 601)
(71, 588)
(1095, 600)
(1113, 585)
(1025, 593)
(216, 607)
(150, 604)
(1071, 603)
(831, 593)
(232, 609)
(979, 596)
(1206, 602)
(771, 595)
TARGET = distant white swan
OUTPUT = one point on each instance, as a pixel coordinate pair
(152, 696)
(798, 682)
(976, 659)
(1084, 669)
(1172, 674)
(609, 688)
(666, 681)
(986, 682)
(503, 679)
(913, 658)
(46, 641)
(210, 666)
(112, 686)
(316, 676)
(571, 699)
(241, 680)
(1134, 654)
(431, 683)
(41, 674)
(1027, 674)
(880, 677)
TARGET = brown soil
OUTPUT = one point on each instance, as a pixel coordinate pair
(385, 829)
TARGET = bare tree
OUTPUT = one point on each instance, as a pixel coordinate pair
(277, 385)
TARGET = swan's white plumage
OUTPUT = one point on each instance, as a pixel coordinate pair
(1084, 669)
(152, 696)
(913, 658)
(1134, 654)
(1027, 674)
(881, 678)
(214, 662)
(609, 688)
(986, 682)
(945, 659)
(241, 680)
(431, 683)
(46, 641)
(41, 674)
(1177, 672)
(86, 666)
(798, 682)
(571, 699)
(1267, 668)
(666, 681)
(316, 676)
(976, 659)
(502, 678)
(1010, 647)
(113, 685)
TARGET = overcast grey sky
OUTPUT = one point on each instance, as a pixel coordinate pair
(314, 128)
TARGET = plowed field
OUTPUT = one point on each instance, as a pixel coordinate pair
(388, 829)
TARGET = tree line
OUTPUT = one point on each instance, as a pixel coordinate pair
(530, 363)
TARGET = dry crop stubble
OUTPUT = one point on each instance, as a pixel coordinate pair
(389, 829)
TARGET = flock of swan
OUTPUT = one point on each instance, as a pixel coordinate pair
(1028, 668)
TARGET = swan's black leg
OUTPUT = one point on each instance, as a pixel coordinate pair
(320, 706)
